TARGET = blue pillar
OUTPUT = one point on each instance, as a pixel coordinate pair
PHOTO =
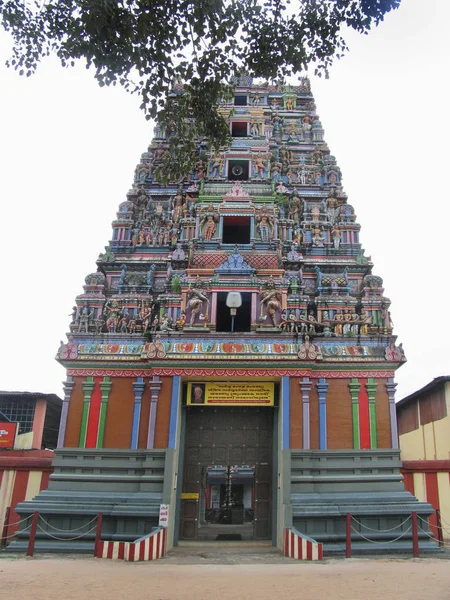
(174, 411)
(322, 388)
(138, 387)
(285, 414)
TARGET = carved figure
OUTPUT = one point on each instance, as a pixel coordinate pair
(197, 297)
(272, 298)
(84, 317)
(317, 238)
(150, 276)
(260, 165)
(209, 223)
(112, 311)
(181, 321)
(121, 283)
(166, 323)
(217, 166)
(336, 235)
(265, 225)
(307, 350)
(254, 129)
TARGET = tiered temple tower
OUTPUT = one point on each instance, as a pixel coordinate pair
(233, 354)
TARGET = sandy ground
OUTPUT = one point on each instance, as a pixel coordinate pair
(47, 578)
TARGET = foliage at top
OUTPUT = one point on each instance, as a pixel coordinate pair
(148, 46)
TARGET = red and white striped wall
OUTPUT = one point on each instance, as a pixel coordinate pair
(148, 547)
(23, 474)
(301, 547)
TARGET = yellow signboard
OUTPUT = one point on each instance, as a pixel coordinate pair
(223, 393)
(190, 496)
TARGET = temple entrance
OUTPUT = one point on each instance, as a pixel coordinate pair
(227, 474)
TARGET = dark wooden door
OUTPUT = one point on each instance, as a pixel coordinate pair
(227, 436)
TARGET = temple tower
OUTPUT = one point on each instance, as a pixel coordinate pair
(233, 354)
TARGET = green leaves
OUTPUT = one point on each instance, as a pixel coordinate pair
(148, 46)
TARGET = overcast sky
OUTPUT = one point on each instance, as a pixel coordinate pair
(68, 150)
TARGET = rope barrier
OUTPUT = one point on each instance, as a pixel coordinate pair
(381, 530)
(9, 524)
(439, 542)
(382, 542)
(8, 537)
(66, 539)
(67, 530)
(434, 525)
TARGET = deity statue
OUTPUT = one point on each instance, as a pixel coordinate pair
(338, 319)
(197, 297)
(254, 129)
(277, 122)
(150, 276)
(121, 282)
(217, 165)
(166, 323)
(177, 211)
(209, 223)
(112, 312)
(84, 316)
(260, 164)
(317, 237)
(265, 225)
(272, 300)
(336, 236)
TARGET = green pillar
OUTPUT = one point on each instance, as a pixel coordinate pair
(88, 386)
(105, 387)
(371, 387)
(354, 392)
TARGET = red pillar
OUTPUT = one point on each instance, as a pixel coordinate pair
(98, 533)
(32, 537)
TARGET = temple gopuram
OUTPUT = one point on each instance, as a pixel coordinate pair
(233, 355)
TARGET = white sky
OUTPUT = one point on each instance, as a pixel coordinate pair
(68, 150)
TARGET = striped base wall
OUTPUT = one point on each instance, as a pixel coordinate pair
(149, 547)
(301, 547)
(23, 474)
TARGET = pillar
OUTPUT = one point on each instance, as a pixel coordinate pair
(105, 388)
(138, 387)
(322, 388)
(88, 387)
(67, 387)
(371, 387)
(155, 388)
(38, 422)
(285, 414)
(174, 404)
(391, 386)
(305, 387)
(354, 392)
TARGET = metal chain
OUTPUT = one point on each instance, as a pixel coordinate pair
(66, 539)
(383, 542)
(67, 530)
(380, 530)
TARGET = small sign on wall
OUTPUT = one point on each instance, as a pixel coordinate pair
(7, 435)
(163, 515)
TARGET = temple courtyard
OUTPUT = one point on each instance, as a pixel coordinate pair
(200, 576)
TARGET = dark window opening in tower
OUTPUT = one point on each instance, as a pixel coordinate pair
(240, 100)
(236, 230)
(238, 170)
(239, 129)
(242, 319)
